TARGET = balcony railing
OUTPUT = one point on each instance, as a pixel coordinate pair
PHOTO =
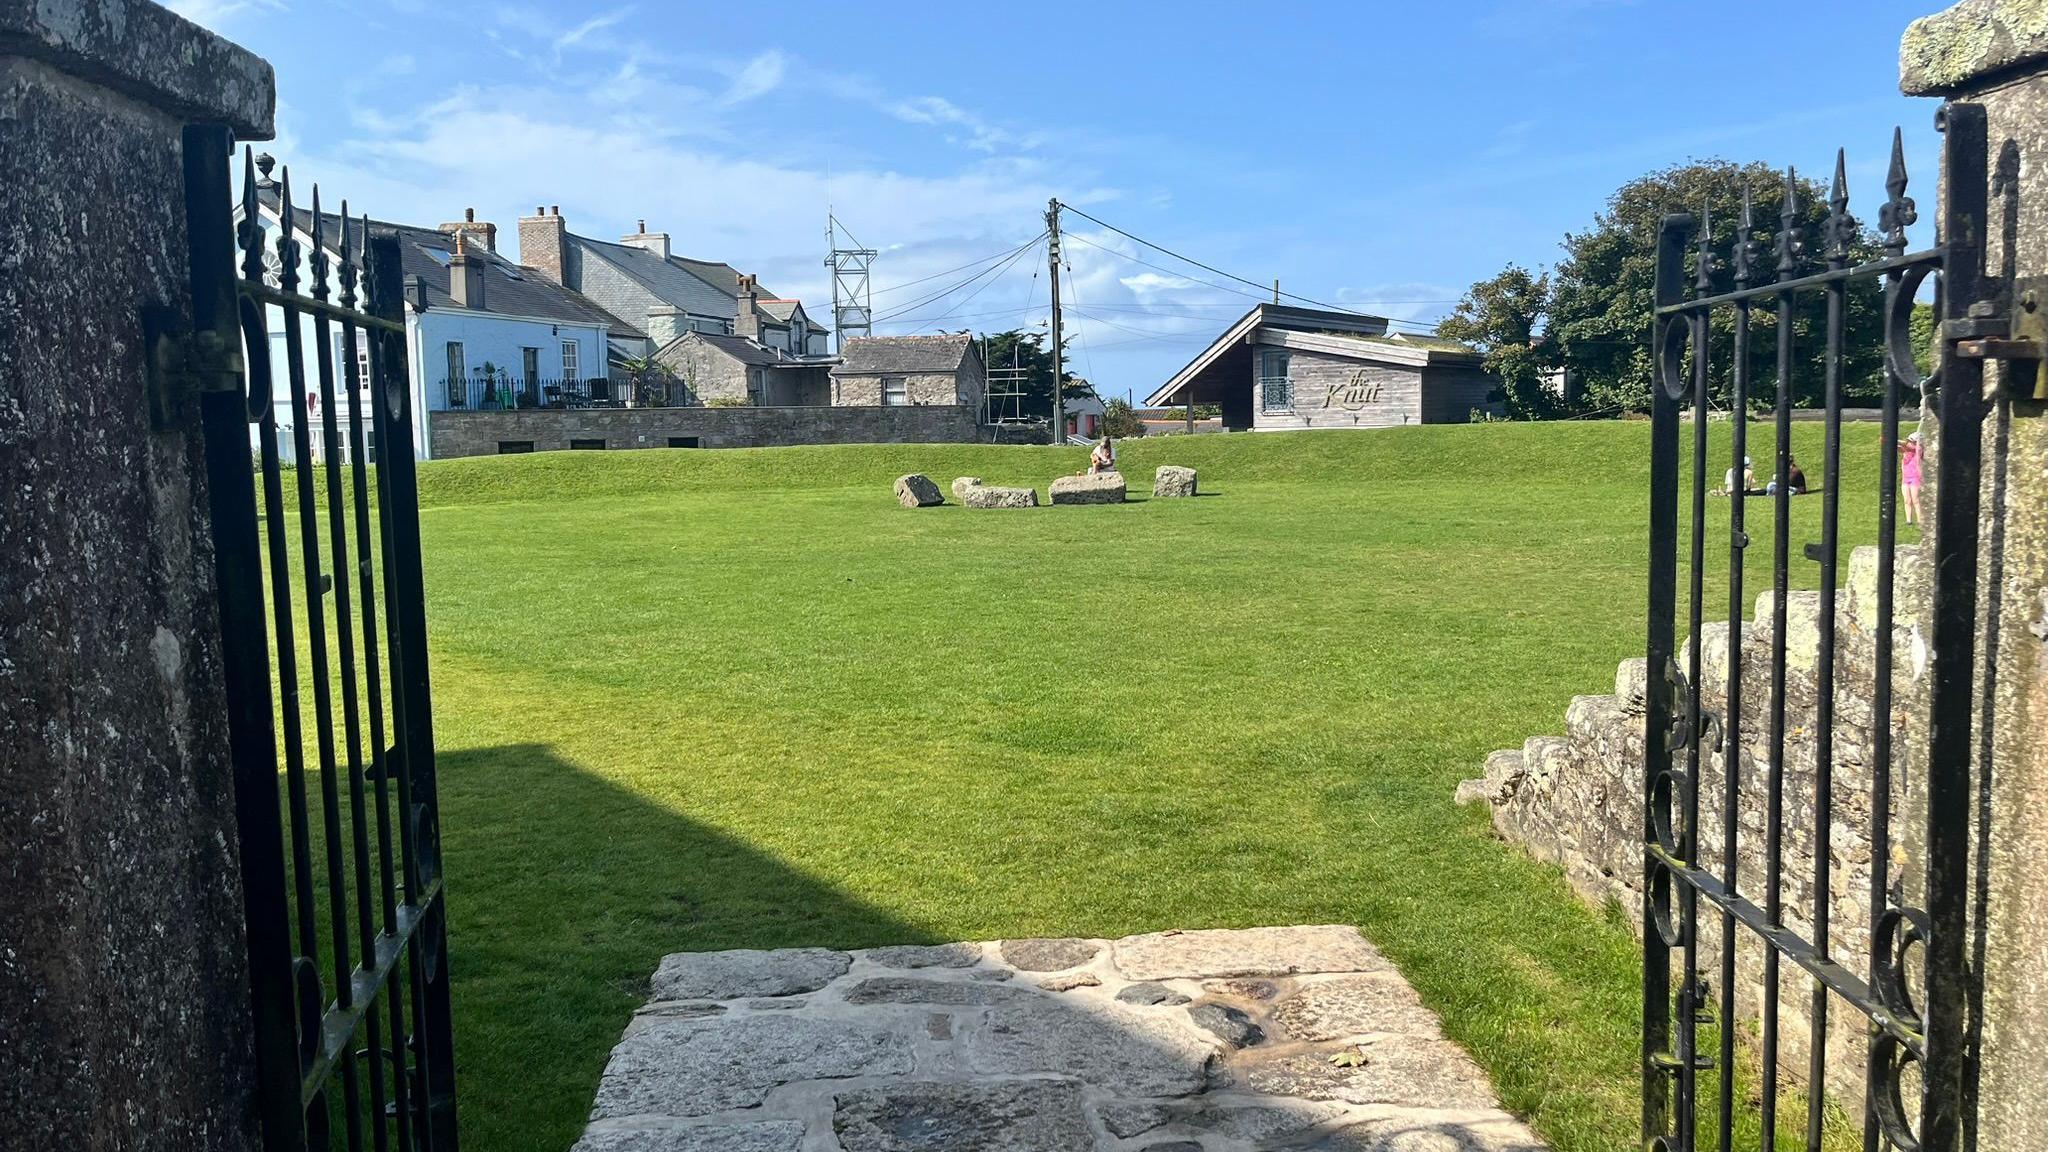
(485, 394)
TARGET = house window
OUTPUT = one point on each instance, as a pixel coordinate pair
(895, 392)
(570, 352)
(682, 442)
(587, 445)
(514, 447)
(1276, 388)
(458, 376)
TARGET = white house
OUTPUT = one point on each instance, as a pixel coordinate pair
(481, 331)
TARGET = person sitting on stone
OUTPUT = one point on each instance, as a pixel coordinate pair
(1103, 458)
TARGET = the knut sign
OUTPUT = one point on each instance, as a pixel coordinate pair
(1354, 393)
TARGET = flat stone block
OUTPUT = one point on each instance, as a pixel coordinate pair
(769, 1136)
(961, 484)
(1173, 481)
(1002, 1116)
(1355, 1006)
(1101, 488)
(1407, 1072)
(1043, 955)
(1226, 952)
(927, 956)
(1433, 1132)
(917, 491)
(1120, 1049)
(917, 990)
(697, 1067)
(741, 973)
(982, 496)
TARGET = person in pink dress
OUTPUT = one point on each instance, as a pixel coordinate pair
(1909, 475)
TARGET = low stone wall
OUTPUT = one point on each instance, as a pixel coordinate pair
(454, 434)
(1577, 800)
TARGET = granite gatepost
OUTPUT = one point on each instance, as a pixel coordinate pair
(124, 1006)
(1995, 53)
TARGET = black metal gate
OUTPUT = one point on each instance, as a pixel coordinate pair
(1916, 1008)
(352, 875)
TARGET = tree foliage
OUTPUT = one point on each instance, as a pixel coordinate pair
(1599, 314)
(1120, 420)
(1020, 348)
(1499, 317)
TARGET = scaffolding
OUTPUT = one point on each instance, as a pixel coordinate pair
(853, 309)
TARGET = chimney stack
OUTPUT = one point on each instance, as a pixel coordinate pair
(747, 322)
(543, 244)
(465, 277)
(655, 242)
(485, 234)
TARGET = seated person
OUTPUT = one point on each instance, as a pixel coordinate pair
(1748, 488)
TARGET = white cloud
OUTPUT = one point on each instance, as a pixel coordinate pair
(760, 76)
(216, 14)
(585, 30)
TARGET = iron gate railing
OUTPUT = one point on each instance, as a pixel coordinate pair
(1905, 1029)
(362, 889)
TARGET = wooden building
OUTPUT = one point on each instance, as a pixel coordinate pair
(1281, 367)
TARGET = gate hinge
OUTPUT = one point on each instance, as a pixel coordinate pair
(2022, 338)
(181, 362)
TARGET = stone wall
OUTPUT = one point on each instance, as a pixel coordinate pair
(481, 433)
(124, 1004)
(1577, 800)
(920, 388)
(709, 373)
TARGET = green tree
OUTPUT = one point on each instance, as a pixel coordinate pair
(1499, 317)
(1019, 348)
(1602, 292)
(1120, 420)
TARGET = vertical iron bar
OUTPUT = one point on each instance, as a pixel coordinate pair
(1840, 229)
(1731, 725)
(1781, 508)
(1953, 635)
(380, 767)
(238, 579)
(1663, 586)
(1688, 1008)
(316, 638)
(1881, 702)
(412, 699)
(344, 635)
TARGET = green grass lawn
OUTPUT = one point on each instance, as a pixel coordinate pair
(740, 699)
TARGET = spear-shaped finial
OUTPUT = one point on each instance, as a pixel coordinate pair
(1899, 212)
(348, 260)
(1745, 240)
(251, 229)
(318, 259)
(287, 247)
(1703, 280)
(1790, 246)
(1841, 227)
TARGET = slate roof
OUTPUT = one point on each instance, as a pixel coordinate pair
(509, 289)
(784, 310)
(878, 355)
(666, 280)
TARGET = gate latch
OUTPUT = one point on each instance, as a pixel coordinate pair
(2021, 338)
(181, 362)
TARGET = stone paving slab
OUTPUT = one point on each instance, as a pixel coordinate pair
(1292, 1039)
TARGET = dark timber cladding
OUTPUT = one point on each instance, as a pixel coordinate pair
(1918, 921)
(1283, 367)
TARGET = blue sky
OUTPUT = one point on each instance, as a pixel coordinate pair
(1377, 155)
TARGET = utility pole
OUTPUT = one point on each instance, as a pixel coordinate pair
(1059, 405)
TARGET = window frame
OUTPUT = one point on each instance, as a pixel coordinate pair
(458, 375)
(902, 392)
(572, 360)
(1269, 360)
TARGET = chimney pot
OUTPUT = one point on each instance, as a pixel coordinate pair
(555, 210)
(469, 215)
(643, 224)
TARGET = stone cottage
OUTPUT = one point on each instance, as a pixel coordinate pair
(910, 371)
(1280, 367)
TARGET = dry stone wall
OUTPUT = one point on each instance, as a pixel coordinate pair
(1577, 800)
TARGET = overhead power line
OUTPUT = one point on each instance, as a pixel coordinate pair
(1005, 260)
(947, 272)
(1263, 289)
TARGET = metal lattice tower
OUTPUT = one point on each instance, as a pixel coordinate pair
(853, 307)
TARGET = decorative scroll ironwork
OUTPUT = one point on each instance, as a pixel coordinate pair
(344, 901)
(1679, 735)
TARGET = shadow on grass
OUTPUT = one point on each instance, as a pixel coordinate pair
(565, 890)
